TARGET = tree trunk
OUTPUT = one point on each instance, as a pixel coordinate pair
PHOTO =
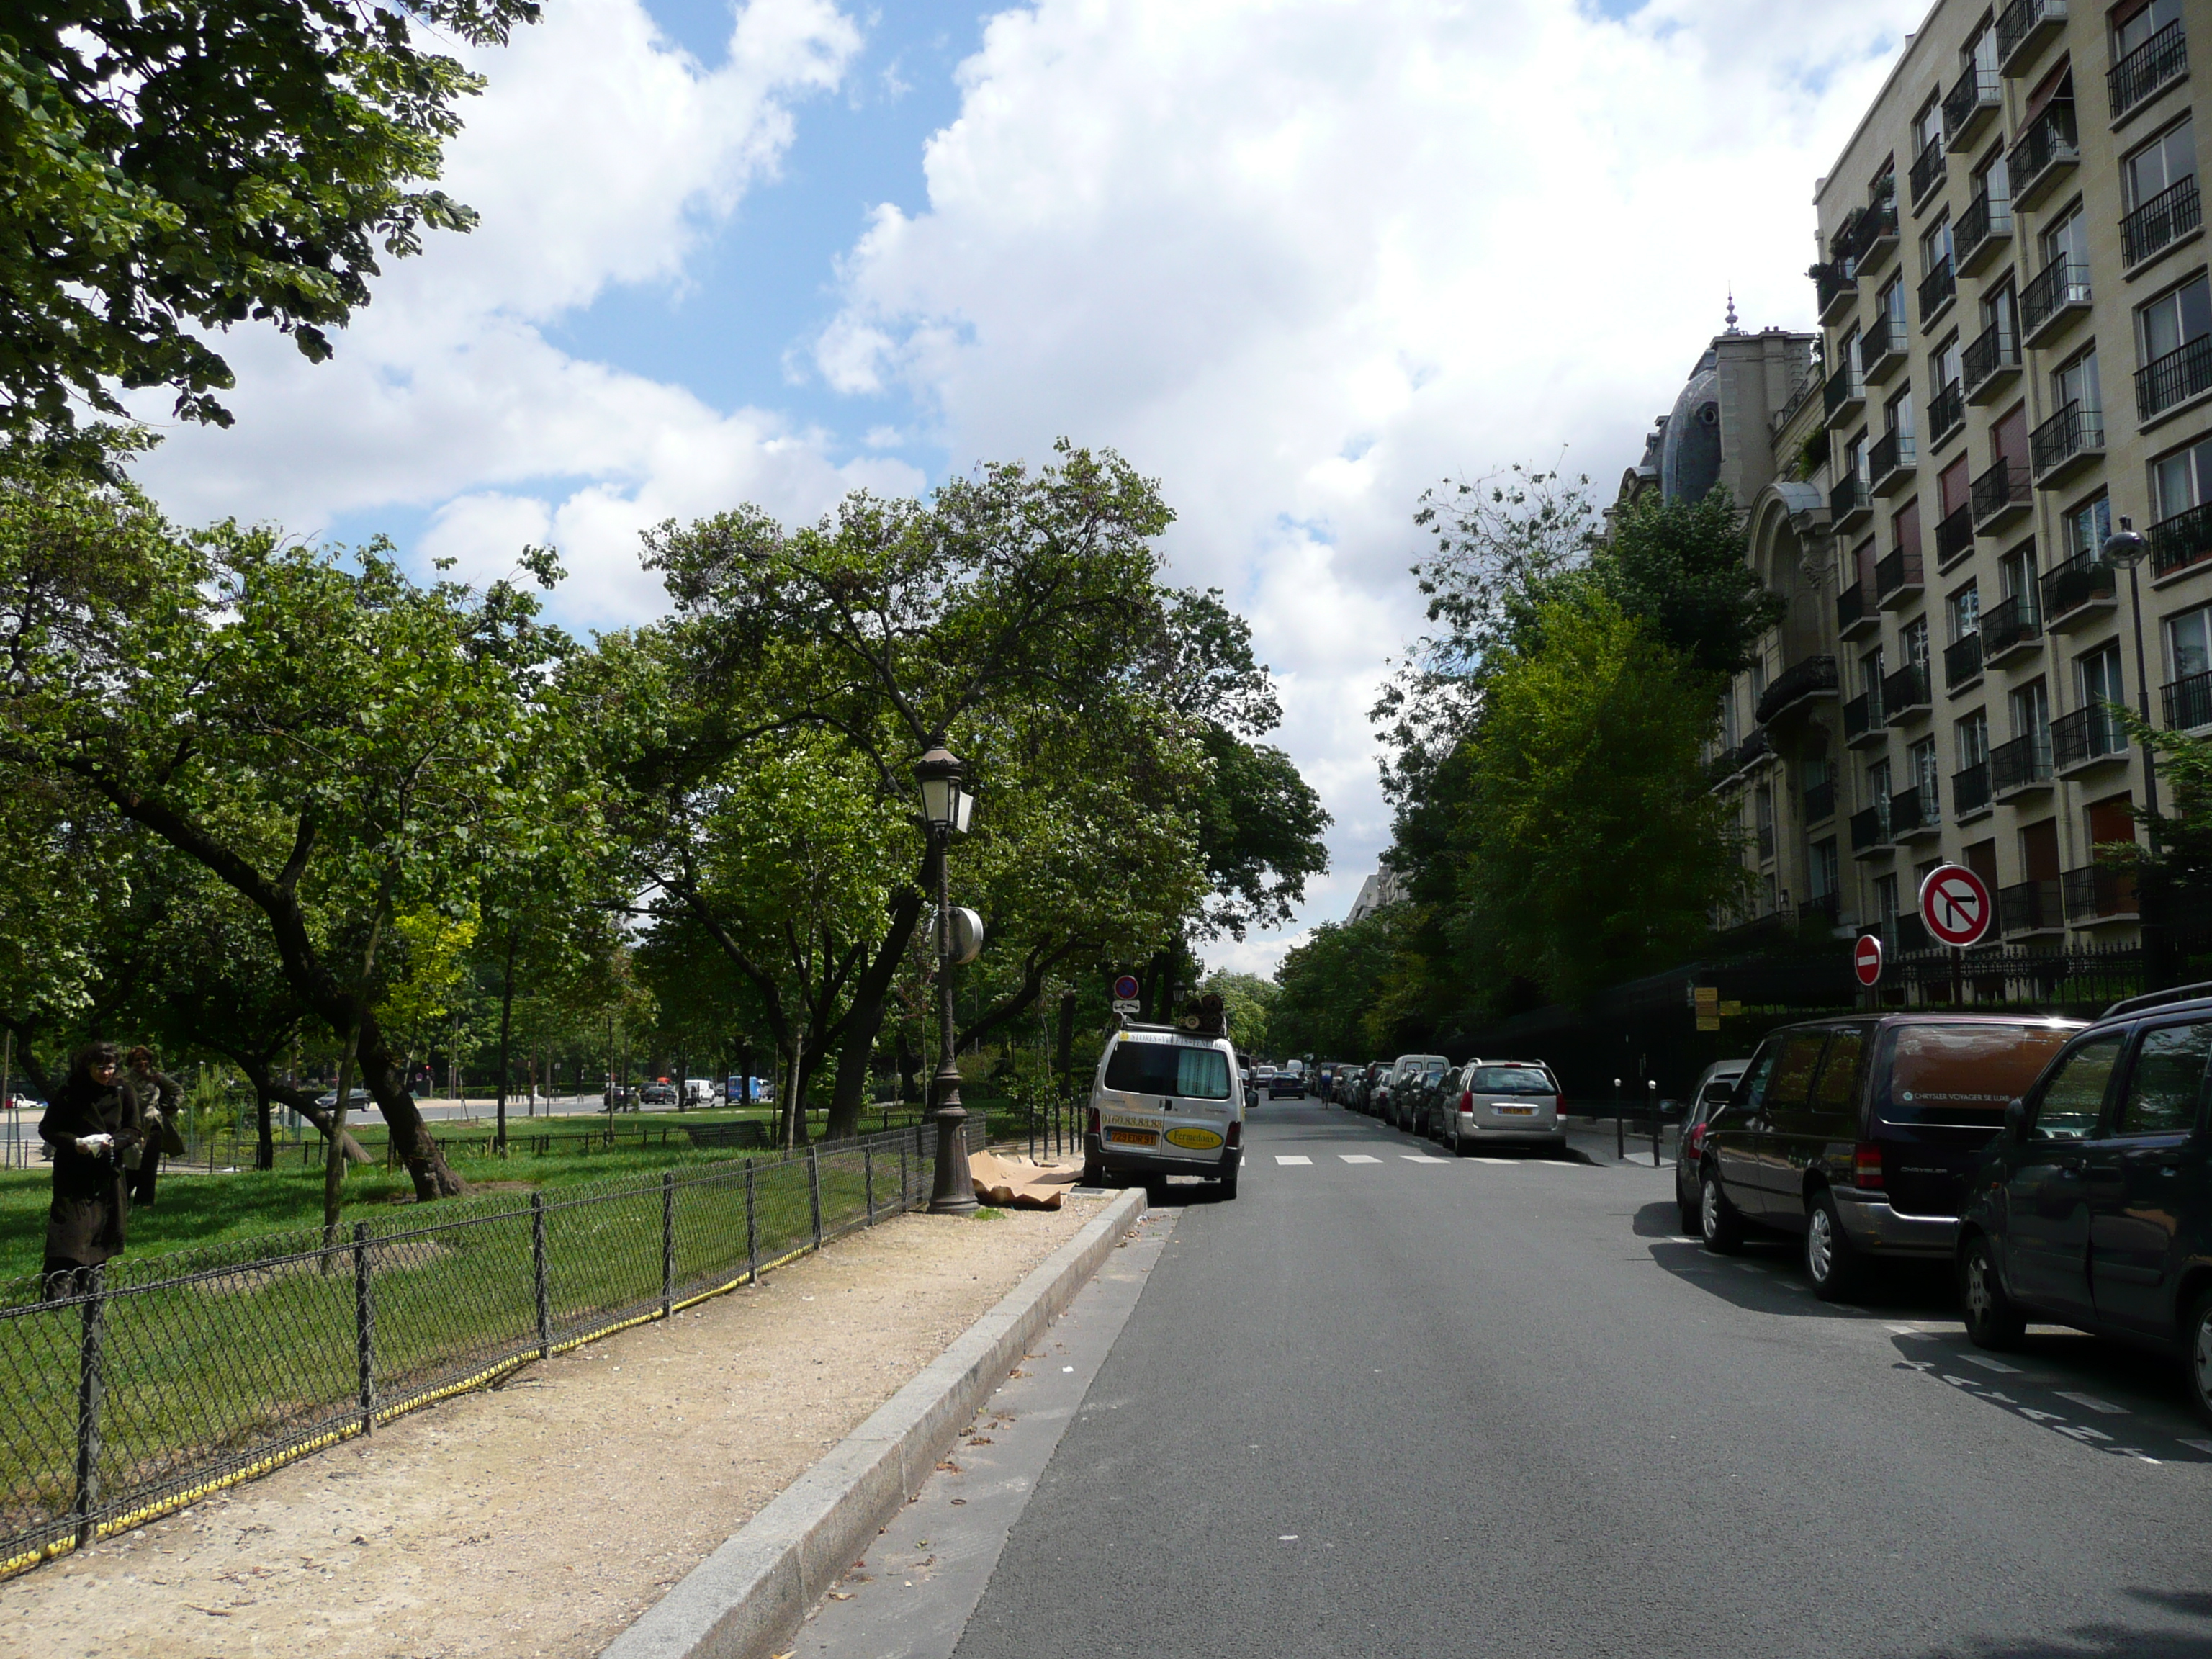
(864, 1018)
(265, 1129)
(1064, 1057)
(909, 1069)
(506, 1027)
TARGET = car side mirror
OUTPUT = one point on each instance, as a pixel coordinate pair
(2015, 1118)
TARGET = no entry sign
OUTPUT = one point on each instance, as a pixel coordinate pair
(1955, 904)
(1866, 959)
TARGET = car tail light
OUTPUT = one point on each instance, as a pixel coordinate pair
(1697, 1139)
(1236, 1133)
(1559, 1106)
(1466, 1100)
(1866, 1165)
(1094, 1120)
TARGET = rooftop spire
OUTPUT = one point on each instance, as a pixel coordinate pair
(1732, 328)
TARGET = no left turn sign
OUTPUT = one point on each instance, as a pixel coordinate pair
(1955, 904)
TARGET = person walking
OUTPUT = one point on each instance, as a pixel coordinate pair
(160, 1096)
(92, 1124)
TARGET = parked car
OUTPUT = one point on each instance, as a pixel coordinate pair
(1712, 1093)
(1286, 1082)
(1512, 1102)
(658, 1094)
(1412, 1076)
(1165, 1102)
(1374, 1090)
(2092, 1206)
(1859, 1135)
(357, 1100)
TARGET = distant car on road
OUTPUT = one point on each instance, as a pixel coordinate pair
(658, 1094)
(1712, 1093)
(1513, 1102)
(1407, 1073)
(357, 1100)
(1286, 1082)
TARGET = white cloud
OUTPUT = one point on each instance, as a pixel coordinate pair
(600, 156)
(1301, 259)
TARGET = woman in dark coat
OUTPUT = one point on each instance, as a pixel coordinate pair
(93, 1123)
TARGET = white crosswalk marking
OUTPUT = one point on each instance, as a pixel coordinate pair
(1493, 1160)
(1420, 1158)
(1292, 1157)
(1989, 1365)
(1358, 1157)
(2089, 1402)
(2204, 1446)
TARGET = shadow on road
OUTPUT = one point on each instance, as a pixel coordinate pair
(2108, 1641)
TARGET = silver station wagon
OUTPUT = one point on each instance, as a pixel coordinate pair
(1516, 1102)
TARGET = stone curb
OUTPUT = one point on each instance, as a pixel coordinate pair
(749, 1596)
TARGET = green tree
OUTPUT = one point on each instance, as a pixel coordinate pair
(1249, 1003)
(1331, 989)
(1679, 566)
(179, 167)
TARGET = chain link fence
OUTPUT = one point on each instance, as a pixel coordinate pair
(155, 1382)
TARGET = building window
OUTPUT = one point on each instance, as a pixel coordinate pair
(1991, 181)
(2166, 161)
(1944, 365)
(1893, 302)
(2133, 27)
(1897, 418)
(1921, 767)
(1870, 674)
(1936, 247)
(2097, 677)
(2069, 240)
(2074, 381)
(1970, 739)
(2189, 660)
(1823, 870)
(2088, 525)
(2031, 710)
(1912, 642)
(1885, 899)
(1965, 610)
(2016, 571)
(2182, 480)
(1847, 353)
(2172, 352)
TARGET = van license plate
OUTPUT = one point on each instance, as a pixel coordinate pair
(1516, 1111)
(1133, 1137)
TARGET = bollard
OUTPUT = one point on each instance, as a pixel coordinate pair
(90, 1386)
(540, 1277)
(1619, 1136)
(814, 1188)
(364, 1328)
(752, 1230)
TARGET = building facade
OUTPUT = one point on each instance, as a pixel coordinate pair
(1379, 892)
(2016, 357)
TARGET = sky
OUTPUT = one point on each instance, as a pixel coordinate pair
(1297, 259)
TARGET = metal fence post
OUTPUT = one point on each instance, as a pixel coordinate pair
(364, 1328)
(540, 1276)
(752, 1230)
(667, 1242)
(90, 1384)
(868, 1178)
(814, 1188)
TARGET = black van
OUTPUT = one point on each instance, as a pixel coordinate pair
(1859, 1134)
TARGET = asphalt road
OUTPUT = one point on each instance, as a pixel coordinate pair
(1420, 1407)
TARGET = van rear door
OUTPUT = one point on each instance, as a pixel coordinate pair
(1167, 1096)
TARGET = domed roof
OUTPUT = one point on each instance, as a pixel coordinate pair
(1690, 451)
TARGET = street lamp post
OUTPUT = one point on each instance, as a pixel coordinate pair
(944, 808)
(2125, 548)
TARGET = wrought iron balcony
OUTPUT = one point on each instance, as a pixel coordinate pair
(2161, 60)
(1896, 577)
(1946, 414)
(1915, 812)
(1803, 681)
(1854, 611)
(2161, 222)
(1883, 349)
(1820, 801)
(1998, 494)
(2188, 701)
(1862, 721)
(2086, 737)
(1981, 230)
(2060, 446)
(2031, 907)
(1874, 231)
(1870, 829)
(2023, 764)
(1848, 504)
(1842, 395)
(1962, 662)
(1820, 908)
(2044, 154)
(1890, 462)
(2167, 382)
(2095, 893)
(2058, 292)
(2181, 539)
(1990, 359)
(1836, 283)
(1905, 695)
(2083, 581)
(2010, 625)
(1927, 170)
(1969, 789)
(1973, 98)
(2022, 27)
(1954, 536)
(1937, 290)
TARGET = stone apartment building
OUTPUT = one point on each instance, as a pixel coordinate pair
(2017, 354)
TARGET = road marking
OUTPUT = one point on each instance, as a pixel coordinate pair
(2204, 1446)
(1358, 1157)
(1421, 1158)
(1989, 1365)
(1292, 1157)
(1493, 1160)
(2091, 1402)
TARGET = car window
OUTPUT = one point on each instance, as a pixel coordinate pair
(1509, 1080)
(2166, 1082)
(1752, 1093)
(1962, 1072)
(1793, 1072)
(1169, 1068)
(1839, 1072)
(2074, 1096)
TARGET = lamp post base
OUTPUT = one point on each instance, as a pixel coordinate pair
(951, 1192)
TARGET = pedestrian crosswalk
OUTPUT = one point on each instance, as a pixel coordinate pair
(1295, 1160)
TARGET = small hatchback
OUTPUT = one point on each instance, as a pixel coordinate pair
(1860, 1135)
(2093, 1206)
(1514, 1102)
(1712, 1093)
(1165, 1102)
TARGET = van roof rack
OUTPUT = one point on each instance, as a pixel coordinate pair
(2198, 991)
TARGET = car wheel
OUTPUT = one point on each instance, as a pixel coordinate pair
(1453, 1144)
(1226, 1187)
(1832, 1262)
(1992, 1321)
(1718, 1224)
(2197, 1356)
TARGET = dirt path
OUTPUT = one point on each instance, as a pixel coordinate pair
(540, 1516)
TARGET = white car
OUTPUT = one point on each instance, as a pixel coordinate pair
(1165, 1102)
(1514, 1101)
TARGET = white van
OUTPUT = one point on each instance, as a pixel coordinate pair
(1165, 1102)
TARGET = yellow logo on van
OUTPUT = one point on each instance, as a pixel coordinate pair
(1196, 1140)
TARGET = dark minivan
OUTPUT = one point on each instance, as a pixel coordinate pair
(2093, 1207)
(1859, 1134)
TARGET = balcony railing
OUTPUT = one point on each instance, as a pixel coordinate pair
(1946, 413)
(1870, 829)
(2021, 764)
(2009, 624)
(1862, 716)
(1905, 693)
(2095, 893)
(2031, 907)
(1820, 906)
(1882, 346)
(1954, 535)
(2162, 220)
(1845, 390)
(2074, 433)
(1962, 661)
(2162, 58)
(1998, 494)
(2044, 154)
(1807, 677)
(1915, 810)
(1890, 462)
(1979, 230)
(1937, 290)
(2022, 24)
(2167, 382)
(1898, 574)
(1972, 96)
(2088, 734)
(1969, 789)
(2188, 700)
(1836, 283)
(2061, 287)
(2182, 539)
(1848, 502)
(1994, 352)
(1873, 233)
(2085, 579)
(1927, 170)
(1820, 801)
(1852, 610)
